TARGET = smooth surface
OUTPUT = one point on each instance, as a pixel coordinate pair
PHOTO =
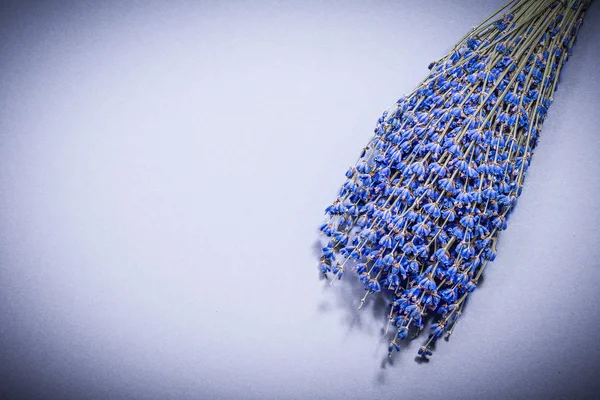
(162, 174)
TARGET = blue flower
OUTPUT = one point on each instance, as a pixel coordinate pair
(421, 211)
(413, 267)
(422, 229)
(498, 222)
(461, 164)
(417, 168)
(362, 221)
(449, 295)
(364, 278)
(363, 167)
(425, 351)
(341, 238)
(374, 285)
(423, 117)
(386, 241)
(465, 250)
(432, 209)
(369, 235)
(338, 271)
(408, 248)
(463, 197)
(402, 333)
(442, 255)
(325, 268)
(427, 283)
(449, 214)
(490, 254)
(404, 193)
(326, 229)
(473, 43)
(438, 330)
(360, 268)
(328, 253)
(388, 260)
(431, 300)
(393, 346)
(411, 216)
(468, 220)
(448, 185)
(470, 286)
(392, 281)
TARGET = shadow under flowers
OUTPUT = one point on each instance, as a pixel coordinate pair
(346, 295)
(371, 318)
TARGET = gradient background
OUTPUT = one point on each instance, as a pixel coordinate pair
(163, 169)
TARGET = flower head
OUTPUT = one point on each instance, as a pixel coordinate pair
(421, 211)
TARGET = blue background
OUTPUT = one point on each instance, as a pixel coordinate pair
(163, 169)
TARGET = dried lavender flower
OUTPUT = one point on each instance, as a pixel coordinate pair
(420, 212)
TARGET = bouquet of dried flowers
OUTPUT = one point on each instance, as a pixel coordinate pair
(420, 212)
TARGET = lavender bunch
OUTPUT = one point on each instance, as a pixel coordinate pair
(420, 212)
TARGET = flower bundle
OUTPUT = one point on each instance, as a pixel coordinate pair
(420, 212)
